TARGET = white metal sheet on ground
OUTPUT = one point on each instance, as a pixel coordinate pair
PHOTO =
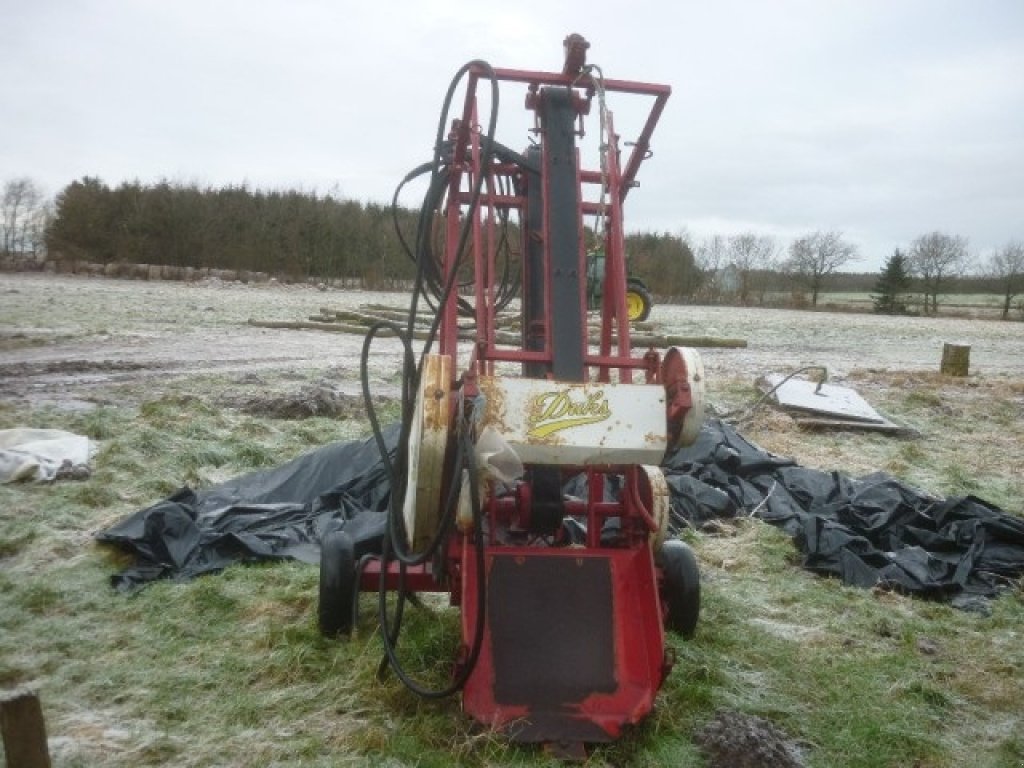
(552, 422)
(827, 400)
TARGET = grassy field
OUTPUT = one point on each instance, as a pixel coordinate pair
(230, 670)
(983, 306)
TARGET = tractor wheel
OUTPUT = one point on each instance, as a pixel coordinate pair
(337, 584)
(682, 587)
(638, 301)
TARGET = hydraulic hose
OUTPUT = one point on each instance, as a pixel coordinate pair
(390, 633)
(393, 547)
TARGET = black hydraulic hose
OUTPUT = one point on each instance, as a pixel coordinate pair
(430, 203)
(371, 410)
(416, 172)
(412, 374)
(423, 234)
(389, 634)
(465, 230)
(439, 169)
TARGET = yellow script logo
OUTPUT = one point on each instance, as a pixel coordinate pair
(554, 411)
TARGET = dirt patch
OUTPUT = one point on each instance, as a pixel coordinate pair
(736, 740)
(68, 367)
(309, 401)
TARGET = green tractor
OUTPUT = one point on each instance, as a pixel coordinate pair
(638, 297)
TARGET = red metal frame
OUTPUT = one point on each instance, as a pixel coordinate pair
(636, 634)
(615, 352)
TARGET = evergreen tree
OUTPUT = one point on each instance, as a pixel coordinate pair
(892, 286)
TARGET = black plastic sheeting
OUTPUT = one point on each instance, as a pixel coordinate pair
(276, 514)
(869, 531)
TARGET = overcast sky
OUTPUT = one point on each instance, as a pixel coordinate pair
(884, 119)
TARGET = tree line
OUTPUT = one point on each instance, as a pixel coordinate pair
(935, 263)
(306, 235)
(749, 266)
(295, 234)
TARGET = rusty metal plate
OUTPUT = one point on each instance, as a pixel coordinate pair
(561, 423)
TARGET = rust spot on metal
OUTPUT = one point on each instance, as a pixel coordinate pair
(436, 373)
(494, 411)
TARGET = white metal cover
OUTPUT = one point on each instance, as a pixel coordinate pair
(551, 422)
(826, 399)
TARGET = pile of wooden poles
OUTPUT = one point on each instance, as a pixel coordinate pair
(645, 334)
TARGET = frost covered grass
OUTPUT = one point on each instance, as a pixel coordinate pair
(970, 434)
(230, 669)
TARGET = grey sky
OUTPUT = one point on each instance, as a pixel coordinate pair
(885, 119)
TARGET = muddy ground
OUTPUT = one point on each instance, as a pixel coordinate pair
(76, 341)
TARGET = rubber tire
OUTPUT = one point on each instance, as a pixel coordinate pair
(336, 606)
(682, 587)
(646, 301)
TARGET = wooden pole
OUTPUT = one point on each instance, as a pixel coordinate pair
(956, 359)
(23, 730)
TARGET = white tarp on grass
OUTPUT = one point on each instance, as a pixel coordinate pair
(37, 454)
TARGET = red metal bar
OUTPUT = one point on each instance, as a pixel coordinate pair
(581, 270)
(643, 143)
(418, 578)
(494, 200)
(449, 330)
(506, 355)
(595, 497)
(517, 355)
(613, 303)
(489, 319)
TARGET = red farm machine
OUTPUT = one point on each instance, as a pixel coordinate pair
(526, 480)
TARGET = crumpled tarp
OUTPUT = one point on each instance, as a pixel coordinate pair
(39, 454)
(275, 514)
(869, 531)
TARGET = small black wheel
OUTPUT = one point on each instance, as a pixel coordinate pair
(337, 584)
(638, 301)
(682, 587)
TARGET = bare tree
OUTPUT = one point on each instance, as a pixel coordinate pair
(752, 256)
(814, 257)
(935, 259)
(711, 255)
(1007, 266)
(23, 216)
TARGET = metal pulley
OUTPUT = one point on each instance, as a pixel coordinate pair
(682, 374)
(428, 444)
